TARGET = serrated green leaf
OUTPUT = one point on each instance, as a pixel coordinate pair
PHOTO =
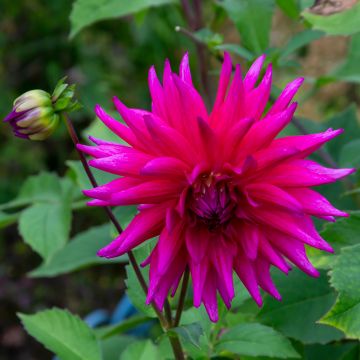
(64, 334)
(253, 20)
(45, 227)
(141, 350)
(256, 340)
(79, 253)
(189, 333)
(304, 301)
(87, 12)
(345, 314)
(342, 23)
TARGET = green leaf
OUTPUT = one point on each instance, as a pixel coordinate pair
(64, 334)
(256, 340)
(350, 154)
(336, 351)
(237, 50)
(8, 219)
(134, 289)
(140, 350)
(304, 301)
(289, 7)
(87, 12)
(348, 121)
(44, 187)
(79, 253)
(344, 232)
(111, 348)
(45, 227)
(342, 23)
(345, 314)
(349, 70)
(300, 40)
(253, 20)
(125, 325)
(190, 333)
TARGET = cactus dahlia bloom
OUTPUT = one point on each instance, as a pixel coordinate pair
(223, 193)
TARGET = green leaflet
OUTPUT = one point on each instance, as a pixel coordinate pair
(63, 333)
(304, 301)
(87, 12)
(256, 340)
(345, 314)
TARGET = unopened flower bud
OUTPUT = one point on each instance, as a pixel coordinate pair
(36, 113)
(33, 116)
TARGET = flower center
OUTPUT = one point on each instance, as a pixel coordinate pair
(211, 200)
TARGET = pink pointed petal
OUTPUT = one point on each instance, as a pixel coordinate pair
(100, 151)
(244, 268)
(209, 297)
(168, 247)
(315, 204)
(126, 163)
(273, 195)
(286, 96)
(224, 80)
(104, 192)
(262, 269)
(294, 250)
(253, 74)
(150, 192)
(165, 166)
(234, 136)
(184, 70)
(157, 94)
(272, 256)
(222, 258)
(300, 227)
(247, 236)
(144, 226)
(197, 242)
(170, 141)
(198, 276)
(257, 99)
(304, 173)
(116, 126)
(264, 131)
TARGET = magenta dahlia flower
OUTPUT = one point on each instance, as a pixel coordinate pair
(221, 191)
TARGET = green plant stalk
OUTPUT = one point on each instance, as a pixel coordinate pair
(166, 322)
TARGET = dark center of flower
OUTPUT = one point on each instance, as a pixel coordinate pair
(211, 200)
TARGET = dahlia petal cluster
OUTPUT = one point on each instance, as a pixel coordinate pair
(221, 191)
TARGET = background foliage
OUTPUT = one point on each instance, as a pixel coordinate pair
(49, 238)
